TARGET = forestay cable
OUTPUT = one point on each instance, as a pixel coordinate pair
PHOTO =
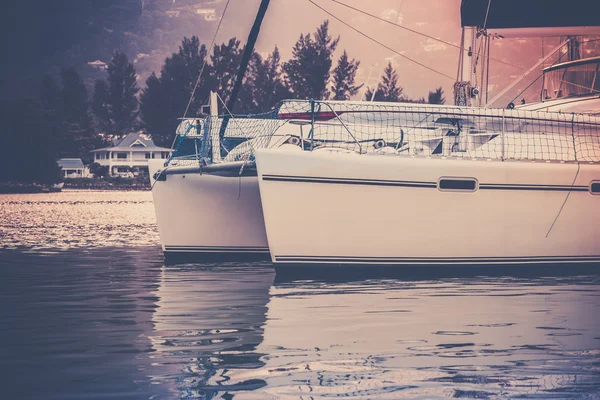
(378, 42)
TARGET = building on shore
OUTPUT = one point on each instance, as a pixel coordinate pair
(129, 156)
(99, 65)
(73, 168)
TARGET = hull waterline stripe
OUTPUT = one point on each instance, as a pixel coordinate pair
(215, 249)
(435, 260)
(376, 182)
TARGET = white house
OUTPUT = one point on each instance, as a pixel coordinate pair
(130, 154)
(98, 65)
(73, 168)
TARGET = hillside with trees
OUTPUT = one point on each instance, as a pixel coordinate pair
(67, 118)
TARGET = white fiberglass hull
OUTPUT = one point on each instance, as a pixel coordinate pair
(208, 214)
(324, 207)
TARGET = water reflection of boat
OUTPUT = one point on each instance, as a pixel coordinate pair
(451, 335)
(207, 325)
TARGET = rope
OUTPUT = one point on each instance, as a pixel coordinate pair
(417, 32)
(378, 42)
(204, 61)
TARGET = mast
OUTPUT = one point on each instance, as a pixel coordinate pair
(248, 51)
(463, 88)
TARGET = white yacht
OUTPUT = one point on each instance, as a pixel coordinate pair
(457, 185)
(206, 196)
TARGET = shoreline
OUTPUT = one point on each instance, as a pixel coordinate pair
(108, 186)
(77, 184)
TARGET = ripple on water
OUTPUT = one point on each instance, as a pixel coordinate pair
(454, 333)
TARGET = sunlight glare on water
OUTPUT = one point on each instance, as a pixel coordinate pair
(77, 218)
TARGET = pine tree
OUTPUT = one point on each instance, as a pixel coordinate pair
(165, 99)
(344, 76)
(307, 73)
(388, 89)
(156, 117)
(437, 97)
(114, 103)
(33, 145)
(101, 106)
(74, 100)
(266, 82)
(75, 126)
(369, 95)
(225, 62)
(50, 94)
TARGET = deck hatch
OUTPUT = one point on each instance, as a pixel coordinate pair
(457, 184)
(595, 187)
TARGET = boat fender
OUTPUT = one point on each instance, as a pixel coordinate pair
(160, 175)
(295, 140)
(379, 144)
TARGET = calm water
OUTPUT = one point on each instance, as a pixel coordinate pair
(89, 311)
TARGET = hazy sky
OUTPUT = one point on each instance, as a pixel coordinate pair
(287, 19)
(42, 36)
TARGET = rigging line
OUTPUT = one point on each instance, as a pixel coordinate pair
(574, 179)
(565, 202)
(205, 61)
(378, 42)
(419, 33)
(536, 79)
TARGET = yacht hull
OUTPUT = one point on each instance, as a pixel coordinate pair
(206, 216)
(322, 207)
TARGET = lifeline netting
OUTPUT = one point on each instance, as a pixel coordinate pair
(402, 129)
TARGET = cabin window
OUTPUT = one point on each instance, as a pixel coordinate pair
(122, 156)
(595, 187)
(457, 184)
(147, 156)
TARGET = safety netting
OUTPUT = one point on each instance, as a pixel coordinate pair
(394, 129)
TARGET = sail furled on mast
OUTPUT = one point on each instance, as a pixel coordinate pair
(246, 56)
(532, 17)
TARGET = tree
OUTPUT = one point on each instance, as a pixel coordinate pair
(74, 99)
(436, 97)
(369, 95)
(165, 99)
(76, 136)
(50, 94)
(388, 89)
(344, 76)
(101, 106)
(307, 73)
(115, 104)
(155, 116)
(225, 61)
(265, 82)
(99, 170)
(33, 148)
